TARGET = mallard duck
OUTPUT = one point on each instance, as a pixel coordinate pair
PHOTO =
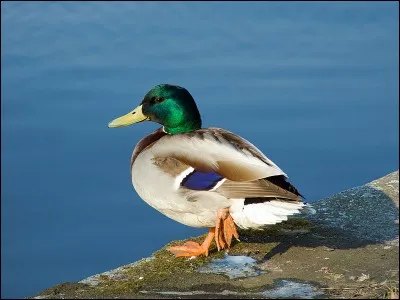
(204, 177)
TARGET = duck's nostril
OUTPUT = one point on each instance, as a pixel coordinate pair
(133, 112)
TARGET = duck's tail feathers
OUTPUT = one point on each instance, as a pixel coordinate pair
(256, 213)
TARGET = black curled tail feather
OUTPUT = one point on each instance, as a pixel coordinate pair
(280, 181)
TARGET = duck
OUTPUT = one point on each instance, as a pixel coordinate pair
(204, 177)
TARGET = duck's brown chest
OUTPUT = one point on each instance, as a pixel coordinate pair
(146, 142)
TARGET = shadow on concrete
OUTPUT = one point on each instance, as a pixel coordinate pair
(354, 218)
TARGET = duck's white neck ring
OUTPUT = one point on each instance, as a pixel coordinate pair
(163, 129)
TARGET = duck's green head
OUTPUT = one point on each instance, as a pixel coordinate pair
(170, 105)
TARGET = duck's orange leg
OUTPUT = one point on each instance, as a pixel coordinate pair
(223, 232)
(225, 228)
(192, 248)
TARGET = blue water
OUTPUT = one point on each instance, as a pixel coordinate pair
(313, 85)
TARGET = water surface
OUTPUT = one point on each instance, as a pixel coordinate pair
(313, 85)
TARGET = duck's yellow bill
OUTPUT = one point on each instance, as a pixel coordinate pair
(135, 116)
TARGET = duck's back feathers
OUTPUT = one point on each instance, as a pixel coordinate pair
(217, 150)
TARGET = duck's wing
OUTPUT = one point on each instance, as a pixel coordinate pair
(276, 187)
(214, 150)
(217, 160)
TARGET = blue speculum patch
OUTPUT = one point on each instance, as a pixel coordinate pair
(201, 181)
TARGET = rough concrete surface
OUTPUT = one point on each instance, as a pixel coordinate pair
(347, 249)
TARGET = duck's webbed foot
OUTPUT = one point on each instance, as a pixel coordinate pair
(192, 248)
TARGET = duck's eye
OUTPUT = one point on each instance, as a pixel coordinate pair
(158, 99)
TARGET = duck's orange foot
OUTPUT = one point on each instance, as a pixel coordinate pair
(224, 231)
(192, 248)
(188, 249)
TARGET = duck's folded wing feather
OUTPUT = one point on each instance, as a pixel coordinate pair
(188, 178)
(220, 151)
(262, 188)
